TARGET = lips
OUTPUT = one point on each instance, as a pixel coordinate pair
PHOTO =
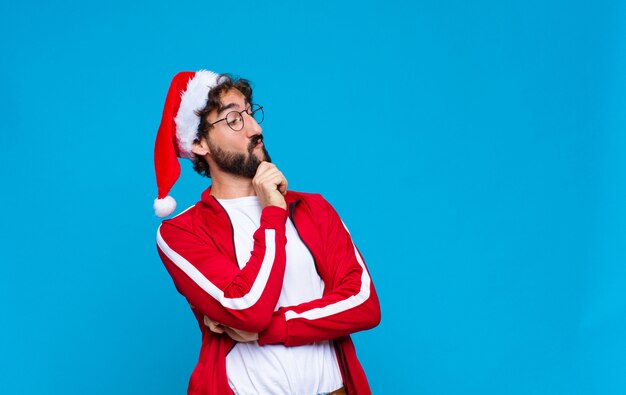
(256, 141)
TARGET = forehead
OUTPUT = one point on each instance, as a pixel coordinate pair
(232, 98)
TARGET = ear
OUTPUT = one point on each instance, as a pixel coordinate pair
(200, 147)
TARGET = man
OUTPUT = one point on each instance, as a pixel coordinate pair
(272, 275)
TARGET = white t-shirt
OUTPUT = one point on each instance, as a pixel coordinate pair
(276, 369)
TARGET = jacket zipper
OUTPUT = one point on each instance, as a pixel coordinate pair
(232, 230)
(292, 207)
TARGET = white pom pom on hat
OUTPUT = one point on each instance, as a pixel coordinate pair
(188, 92)
(164, 207)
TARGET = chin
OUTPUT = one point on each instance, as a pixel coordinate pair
(261, 156)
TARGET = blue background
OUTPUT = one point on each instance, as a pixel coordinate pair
(476, 150)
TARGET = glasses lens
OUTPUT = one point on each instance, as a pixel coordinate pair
(257, 112)
(234, 120)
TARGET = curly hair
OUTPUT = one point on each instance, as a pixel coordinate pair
(225, 82)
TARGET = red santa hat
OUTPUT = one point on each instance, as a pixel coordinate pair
(189, 91)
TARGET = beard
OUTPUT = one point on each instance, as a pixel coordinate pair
(236, 163)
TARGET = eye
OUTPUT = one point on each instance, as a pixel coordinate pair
(233, 121)
(257, 113)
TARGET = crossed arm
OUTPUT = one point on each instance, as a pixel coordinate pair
(238, 298)
(349, 304)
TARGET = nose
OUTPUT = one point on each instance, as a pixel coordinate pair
(252, 126)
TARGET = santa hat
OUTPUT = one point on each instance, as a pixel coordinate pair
(189, 91)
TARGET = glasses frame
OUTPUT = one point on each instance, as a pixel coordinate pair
(253, 109)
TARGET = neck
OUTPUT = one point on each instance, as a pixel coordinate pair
(228, 186)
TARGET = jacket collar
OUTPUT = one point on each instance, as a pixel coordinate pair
(211, 202)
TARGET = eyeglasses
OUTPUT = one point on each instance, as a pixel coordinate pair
(234, 119)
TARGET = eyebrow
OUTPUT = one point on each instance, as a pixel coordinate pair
(229, 106)
(226, 107)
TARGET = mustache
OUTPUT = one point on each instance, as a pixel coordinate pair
(254, 140)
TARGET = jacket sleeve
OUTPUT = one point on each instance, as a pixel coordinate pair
(349, 304)
(240, 298)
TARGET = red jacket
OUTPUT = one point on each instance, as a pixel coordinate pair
(197, 248)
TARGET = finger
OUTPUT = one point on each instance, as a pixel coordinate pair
(264, 166)
(233, 335)
(217, 328)
(276, 182)
(271, 181)
(282, 186)
(276, 178)
(265, 175)
(262, 180)
(241, 336)
(213, 326)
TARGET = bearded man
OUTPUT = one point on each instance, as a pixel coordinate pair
(271, 275)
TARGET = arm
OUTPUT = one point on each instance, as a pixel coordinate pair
(350, 303)
(239, 298)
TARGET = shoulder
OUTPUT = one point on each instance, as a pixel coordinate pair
(182, 219)
(314, 203)
(187, 223)
(308, 198)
